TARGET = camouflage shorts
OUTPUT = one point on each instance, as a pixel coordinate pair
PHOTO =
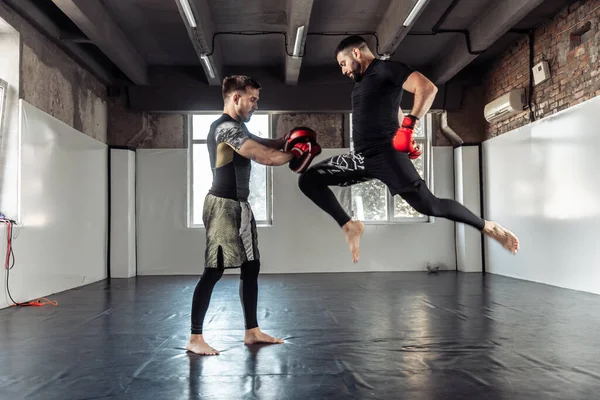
(231, 235)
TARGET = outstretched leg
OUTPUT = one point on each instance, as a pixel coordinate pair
(249, 297)
(341, 170)
(200, 303)
(427, 203)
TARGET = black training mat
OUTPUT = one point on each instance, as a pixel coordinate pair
(408, 335)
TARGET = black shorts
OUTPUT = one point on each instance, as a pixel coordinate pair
(391, 167)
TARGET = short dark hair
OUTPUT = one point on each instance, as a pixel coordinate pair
(238, 83)
(350, 42)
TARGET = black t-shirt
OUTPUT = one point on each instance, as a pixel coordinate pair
(375, 104)
(231, 171)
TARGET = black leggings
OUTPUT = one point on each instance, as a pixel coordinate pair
(393, 169)
(248, 294)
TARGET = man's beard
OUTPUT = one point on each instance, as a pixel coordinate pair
(356, 74)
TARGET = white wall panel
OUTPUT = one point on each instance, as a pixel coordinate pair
(541, 181)
(467, 190)
(9, 144)
(63, 192)
(122, 214)
(167, 246)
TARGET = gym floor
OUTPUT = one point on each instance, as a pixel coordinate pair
(355, 335)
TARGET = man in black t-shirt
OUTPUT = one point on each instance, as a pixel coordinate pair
(231, 235)
(384, 148)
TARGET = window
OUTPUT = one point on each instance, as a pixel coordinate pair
(3, 92)
(201, 174)
(372, 201)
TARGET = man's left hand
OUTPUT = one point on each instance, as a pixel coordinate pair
(403, 139)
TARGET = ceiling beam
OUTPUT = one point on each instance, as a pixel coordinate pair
(496, 21)
(298, 13)
(202, 38)
(391, 30)
(29, 11)
(92, 18)
(176, 90)
(190, 98)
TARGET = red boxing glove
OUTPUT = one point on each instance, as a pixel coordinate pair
(403, 139)
(304, 153)
(299, 134)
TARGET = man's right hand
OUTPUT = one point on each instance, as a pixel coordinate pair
(304, 153)
(403, 139)
(299, 135)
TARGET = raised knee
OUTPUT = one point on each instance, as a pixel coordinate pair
(308, 179)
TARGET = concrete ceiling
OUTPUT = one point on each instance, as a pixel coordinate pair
(129, 38)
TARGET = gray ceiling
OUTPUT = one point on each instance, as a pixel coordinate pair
(129, 38)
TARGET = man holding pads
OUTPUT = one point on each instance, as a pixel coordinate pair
(231, 235)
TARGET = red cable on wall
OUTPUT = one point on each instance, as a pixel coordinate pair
(7, 266)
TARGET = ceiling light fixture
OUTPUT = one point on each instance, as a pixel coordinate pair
(415, 11)
(208, 65)
(187, 10)
(297, 45)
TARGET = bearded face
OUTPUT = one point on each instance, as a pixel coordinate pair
(350, 66)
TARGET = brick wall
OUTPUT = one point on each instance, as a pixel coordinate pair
(573, 62)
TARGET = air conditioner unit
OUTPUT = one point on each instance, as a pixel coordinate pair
(508, 104)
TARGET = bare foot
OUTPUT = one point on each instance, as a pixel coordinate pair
(198, 345)
(353, 231)
(506, 238)
(254, 336)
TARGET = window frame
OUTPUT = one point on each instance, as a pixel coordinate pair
(189, 131)
(3, 97)
(426, 145)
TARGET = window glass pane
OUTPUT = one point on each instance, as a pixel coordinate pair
(369, 201)
(258, 191)
(419, 130)
(259, 125)
(202, 180)
(401, 208)
(201, 125)
(344, 196)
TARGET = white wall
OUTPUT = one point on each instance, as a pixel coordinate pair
(541, 181)
(166, 246)
(122, 214)
(63, 201)
(9, 145)
(467, 192)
